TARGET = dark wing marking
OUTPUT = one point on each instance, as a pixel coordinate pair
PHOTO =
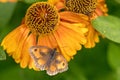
(58, 65)
(41, 56)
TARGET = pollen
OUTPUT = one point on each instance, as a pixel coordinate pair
(81, 6)
(41, 18)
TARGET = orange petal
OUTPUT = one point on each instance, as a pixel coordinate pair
(25, 55)
(73, 17)
(12, 39)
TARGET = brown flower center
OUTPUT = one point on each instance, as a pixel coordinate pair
(41, 18)
(81, 6)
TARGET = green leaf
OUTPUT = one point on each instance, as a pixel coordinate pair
(117, 1)
(114, 55)
(2, 54)
(114, 58)
(118, 73)
(108, 26)
(6, 10)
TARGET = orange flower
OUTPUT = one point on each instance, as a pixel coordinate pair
(93, 35)
(91, 8)
(43, 25)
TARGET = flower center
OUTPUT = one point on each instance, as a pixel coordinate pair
(41, 18)
(81, 6)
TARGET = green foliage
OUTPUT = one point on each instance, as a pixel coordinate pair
(108, 26)
(32, 1)
(2, 54)
(5, 9)
(114, 55)
(98, 63)
(114, 58)
(117, 1)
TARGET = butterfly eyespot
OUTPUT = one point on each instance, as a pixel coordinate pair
(63, 64)
(35, 50)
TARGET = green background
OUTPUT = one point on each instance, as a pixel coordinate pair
(99, 63)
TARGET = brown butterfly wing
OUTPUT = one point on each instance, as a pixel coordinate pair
(40, 55)
(57, 65)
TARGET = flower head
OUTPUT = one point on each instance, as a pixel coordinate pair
(91, 8)
(44, 26)
(41, 18)
(81, 6)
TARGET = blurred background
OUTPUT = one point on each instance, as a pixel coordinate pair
(99, 63)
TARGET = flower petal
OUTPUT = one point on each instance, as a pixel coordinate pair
(73, 17)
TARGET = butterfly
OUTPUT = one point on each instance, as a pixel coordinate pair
(48, 59)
